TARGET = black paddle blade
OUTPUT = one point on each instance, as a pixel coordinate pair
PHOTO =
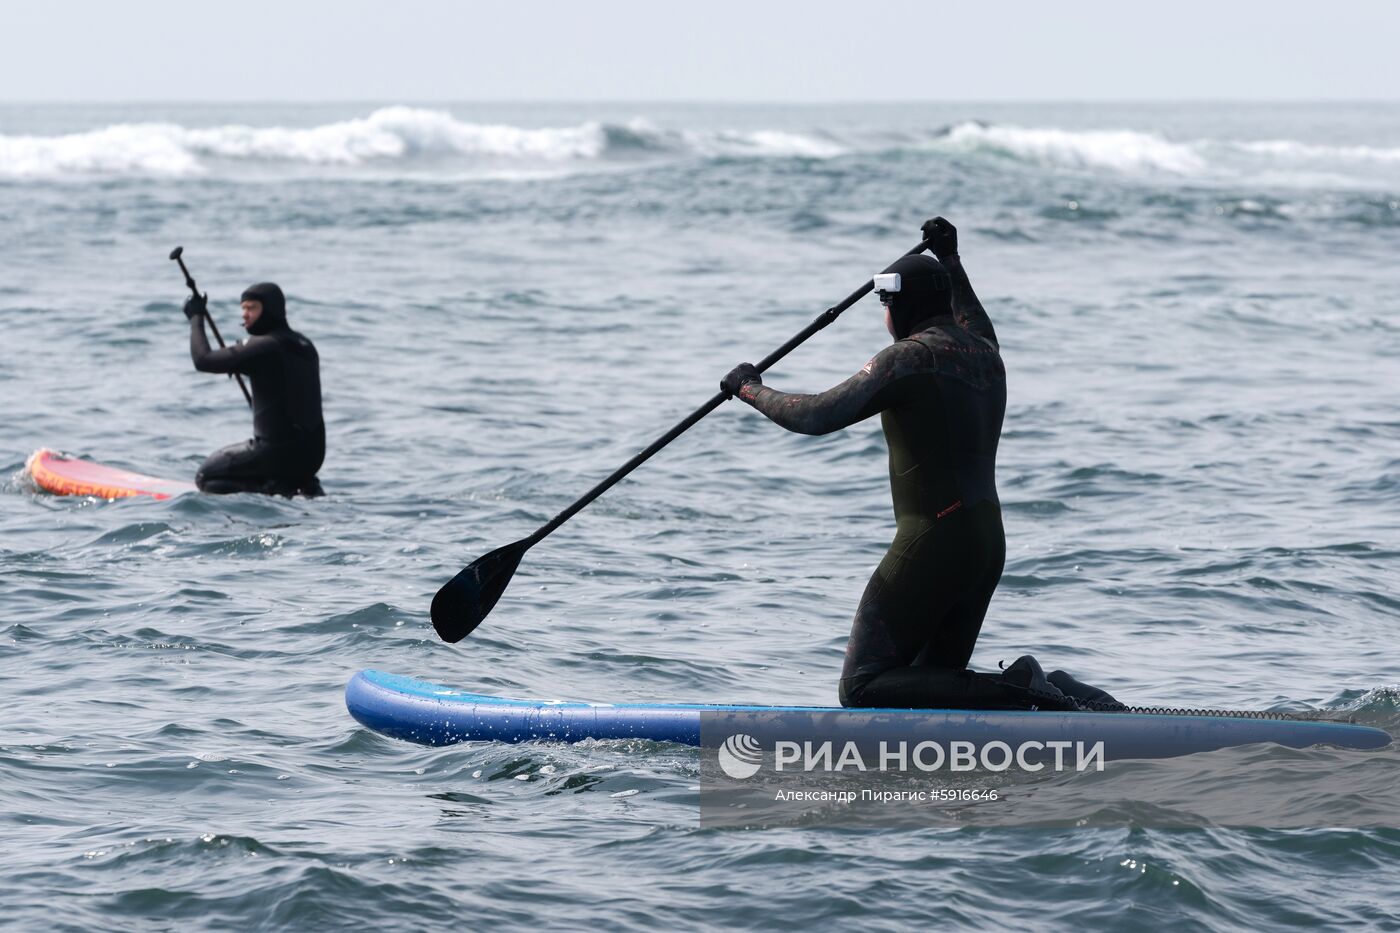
(464, 601)
(175, 253)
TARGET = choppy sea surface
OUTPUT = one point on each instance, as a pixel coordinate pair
(1199, 308)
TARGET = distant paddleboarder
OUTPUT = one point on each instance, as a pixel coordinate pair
(940, 391)
(289, 435)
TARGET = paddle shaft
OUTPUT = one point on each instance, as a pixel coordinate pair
(822, 320)
(194, 290)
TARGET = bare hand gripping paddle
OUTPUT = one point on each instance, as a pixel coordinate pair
(175, 254)
(465, 600)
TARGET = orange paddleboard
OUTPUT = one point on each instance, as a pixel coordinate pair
(64, 477)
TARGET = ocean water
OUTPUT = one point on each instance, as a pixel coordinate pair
(1199, 307)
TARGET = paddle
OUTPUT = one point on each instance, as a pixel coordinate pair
(175, 254)
(464, 601)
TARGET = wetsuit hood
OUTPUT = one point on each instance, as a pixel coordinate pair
(274, 307)
(925, 291)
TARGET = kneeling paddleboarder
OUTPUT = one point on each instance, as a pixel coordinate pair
(940, 391)
(289, 436)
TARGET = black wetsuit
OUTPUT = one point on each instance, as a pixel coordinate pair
(941, 396)
(289, 436)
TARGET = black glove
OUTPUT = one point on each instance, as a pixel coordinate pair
(942, 237)
(738, 377)
(195, 306)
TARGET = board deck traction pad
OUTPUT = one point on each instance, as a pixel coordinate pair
(63, 476)
(429, 714)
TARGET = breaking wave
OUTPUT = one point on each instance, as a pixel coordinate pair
(1288, 149)
(386, 135)
(429, 140)
(1136, 152)
(1121, 150)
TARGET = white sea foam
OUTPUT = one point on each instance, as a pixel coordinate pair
(136, 148)
(1276, 162)
(396, 132)
(386, 135)
(763, 143)
(433, 141)
(1120, 150)
(1287, 149)
(391, 133)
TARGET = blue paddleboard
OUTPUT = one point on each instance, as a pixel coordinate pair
(429, 714)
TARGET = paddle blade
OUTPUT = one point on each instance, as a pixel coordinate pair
(464, 601)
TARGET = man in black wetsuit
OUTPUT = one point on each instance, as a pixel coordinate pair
(940, 391)
(289, 437)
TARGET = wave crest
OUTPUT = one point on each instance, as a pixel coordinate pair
(386, 135)
(415, 139)
(1121, 150)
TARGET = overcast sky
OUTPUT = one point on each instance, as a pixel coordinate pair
(720, 50)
